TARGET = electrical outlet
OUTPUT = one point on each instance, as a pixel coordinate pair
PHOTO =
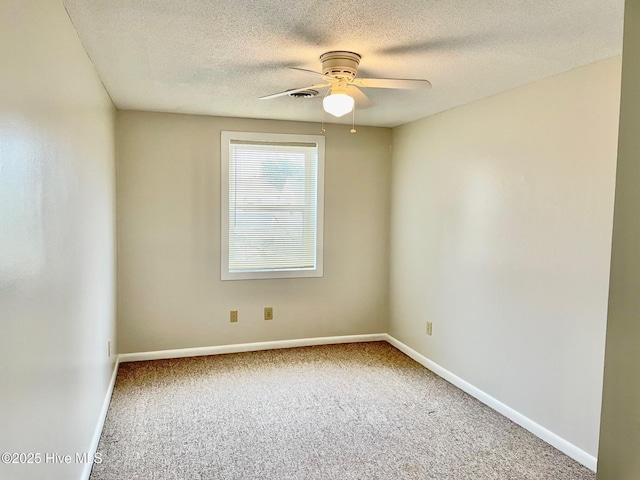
(233, 316)
(429, 328)
(109, 348)
(268, 313)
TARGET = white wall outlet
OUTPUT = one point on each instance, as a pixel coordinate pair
(429, 328)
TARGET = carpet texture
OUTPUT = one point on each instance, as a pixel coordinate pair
(356, 411)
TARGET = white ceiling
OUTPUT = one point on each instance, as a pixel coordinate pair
(216, 57)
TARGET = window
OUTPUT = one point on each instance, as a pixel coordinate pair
(272, 205)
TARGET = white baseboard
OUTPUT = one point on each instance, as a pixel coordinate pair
(548, 436)
(249, 347)
(93, 448)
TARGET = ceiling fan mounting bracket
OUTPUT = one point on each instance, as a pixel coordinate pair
(340, 64)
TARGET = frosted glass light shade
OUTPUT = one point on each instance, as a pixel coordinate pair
(338, 104)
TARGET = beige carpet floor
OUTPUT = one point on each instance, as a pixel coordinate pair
(357, 411)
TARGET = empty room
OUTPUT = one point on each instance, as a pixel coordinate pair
(319, 240)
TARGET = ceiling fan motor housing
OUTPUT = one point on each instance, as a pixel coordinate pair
(340, 64)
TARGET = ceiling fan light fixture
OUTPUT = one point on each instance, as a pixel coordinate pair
(338, 104)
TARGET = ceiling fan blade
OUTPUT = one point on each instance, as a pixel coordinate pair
(362, 101)
(294, 90)
(318, 74)
(401, 83)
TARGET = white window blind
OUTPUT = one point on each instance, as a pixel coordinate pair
(272, 205)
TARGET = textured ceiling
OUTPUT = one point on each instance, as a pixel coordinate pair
(216, 57)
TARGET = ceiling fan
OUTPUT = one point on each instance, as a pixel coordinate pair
(339, 70)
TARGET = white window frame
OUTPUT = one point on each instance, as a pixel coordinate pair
(226, 138)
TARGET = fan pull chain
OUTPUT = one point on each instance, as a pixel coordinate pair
(353, 120)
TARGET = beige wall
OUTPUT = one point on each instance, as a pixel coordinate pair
(169, 290)
(57, 306)
(619, 457)
(501, 228)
